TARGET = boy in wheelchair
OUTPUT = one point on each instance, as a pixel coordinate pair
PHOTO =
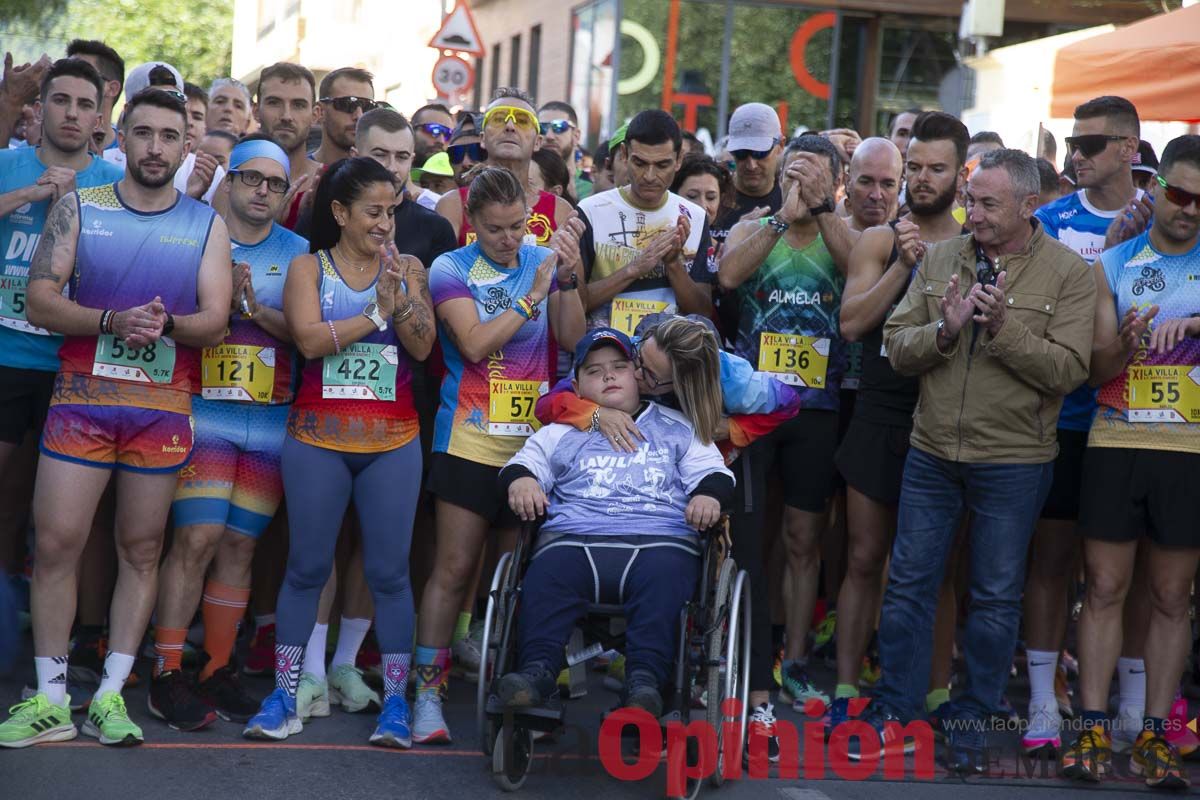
(621, 528)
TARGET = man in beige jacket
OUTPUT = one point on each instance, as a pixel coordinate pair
(997, 325)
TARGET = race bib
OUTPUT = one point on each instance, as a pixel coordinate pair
(627, 312)
(1167, 393)
(154, 363)
(361, 371)
(510, 405)
(12, 306)
(238, 372)
(854, 366)
(798, 360)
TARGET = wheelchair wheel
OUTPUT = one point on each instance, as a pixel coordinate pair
(493, 625)
(691, 785)
(729, 644)
(512, 755)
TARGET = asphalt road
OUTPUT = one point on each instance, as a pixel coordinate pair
(331, 759)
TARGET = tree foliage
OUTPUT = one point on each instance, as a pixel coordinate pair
(195, 37)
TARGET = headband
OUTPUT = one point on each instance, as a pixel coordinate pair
(259, 148)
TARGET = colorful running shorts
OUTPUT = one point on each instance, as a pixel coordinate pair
(233, 478)
(122, 437)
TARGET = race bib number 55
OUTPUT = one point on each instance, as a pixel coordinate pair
(1169, 393)
(798, 360)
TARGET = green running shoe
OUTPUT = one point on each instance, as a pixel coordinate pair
(37, 720)
(312, 697)
(108, 721)
(346, 687)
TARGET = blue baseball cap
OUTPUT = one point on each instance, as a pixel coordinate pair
(600, 337)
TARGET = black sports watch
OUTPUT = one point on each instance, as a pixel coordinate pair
(824, 208)
(169, 325)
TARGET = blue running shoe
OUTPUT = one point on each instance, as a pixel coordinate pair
(276, 718)
(393, 728)
(839, 712)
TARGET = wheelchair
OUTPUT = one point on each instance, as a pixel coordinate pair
(713, 654)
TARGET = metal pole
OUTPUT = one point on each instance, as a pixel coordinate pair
(726, 48)
(614, 96)
(836, 52)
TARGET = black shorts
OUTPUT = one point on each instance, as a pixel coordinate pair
(801, 450)
(470, 485)
(24, 401)
(871, 459)
(1127, 493)
(1063, 500)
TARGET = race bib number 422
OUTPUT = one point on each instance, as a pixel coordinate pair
(362, 371)
(1166, 393)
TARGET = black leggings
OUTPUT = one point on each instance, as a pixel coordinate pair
(746, 530)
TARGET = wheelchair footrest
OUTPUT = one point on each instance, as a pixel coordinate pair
(549, 716)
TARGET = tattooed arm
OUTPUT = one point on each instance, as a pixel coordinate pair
(51, 268)
(416, 332)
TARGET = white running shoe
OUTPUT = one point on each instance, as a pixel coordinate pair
(1125, 728)
(1045, 728)
(429, 726)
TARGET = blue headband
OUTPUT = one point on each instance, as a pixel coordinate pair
(259, 148)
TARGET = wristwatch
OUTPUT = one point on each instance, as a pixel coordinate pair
(776, 224)
(570, 285)
(824, 208)
(371, 312)
(169, 325)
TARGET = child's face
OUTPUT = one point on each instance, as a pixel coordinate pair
(606, 378)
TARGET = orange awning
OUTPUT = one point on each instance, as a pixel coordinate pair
(1154, 63)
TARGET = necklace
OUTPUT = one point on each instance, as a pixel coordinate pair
(344, 260)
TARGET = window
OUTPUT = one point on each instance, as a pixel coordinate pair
(535, 59)
(494, 77)
(514, 61)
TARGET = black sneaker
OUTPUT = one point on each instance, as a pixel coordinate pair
(887, 725)
(966, 747)
(642, 692)
(172, 698)
(530, 687)
(761, 725)
(225, 695)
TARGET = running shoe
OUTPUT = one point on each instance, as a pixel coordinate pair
(530, 687)
(85, 663)
(368, 659)
(276, 718)
(614, 676)
(108, 721)
(937, 720)
(467, 652)
(224, 693)
(37, 720)
(823, 633)
(1045, 729)
(1178, 733)
(260, 660)
(1089, 757)
(799, 690)
(761, 725)
(1069, 663)
(429, 726)
(871, 672)
(312, 697)
(643, 693)
(1157, 760)
(887, 728)
(347, 688)
(1126, 728)
(777, 669)
(393, 728)
(839, 712)
(966, 748)
(172, 699)
(1062, 691)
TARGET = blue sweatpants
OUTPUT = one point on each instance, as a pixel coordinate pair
(319, 484)
(651, 582)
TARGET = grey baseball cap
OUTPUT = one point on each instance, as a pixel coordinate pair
(139, 77)
(753, 126)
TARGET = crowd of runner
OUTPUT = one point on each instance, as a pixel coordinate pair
(946, 392)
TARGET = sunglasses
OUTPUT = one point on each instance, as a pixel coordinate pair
(559, 126)
(1090, 144)
(437, 131)
(349, 103)
(1180, 197)
(252, 179)
(459, 152)
(521, 118)
(757, 155)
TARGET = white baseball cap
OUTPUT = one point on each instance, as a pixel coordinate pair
(139, 78)
(753, 126)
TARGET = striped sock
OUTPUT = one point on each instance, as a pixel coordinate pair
(52, 677)
(168, 649)
(432, 668)
(221, 608)
(395, 674)
(289, 660)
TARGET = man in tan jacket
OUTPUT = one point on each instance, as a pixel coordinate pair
(994, 362)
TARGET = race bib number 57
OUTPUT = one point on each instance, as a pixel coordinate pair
(1168, 393)
(510, 407)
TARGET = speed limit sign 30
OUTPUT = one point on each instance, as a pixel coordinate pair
(452, 76)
